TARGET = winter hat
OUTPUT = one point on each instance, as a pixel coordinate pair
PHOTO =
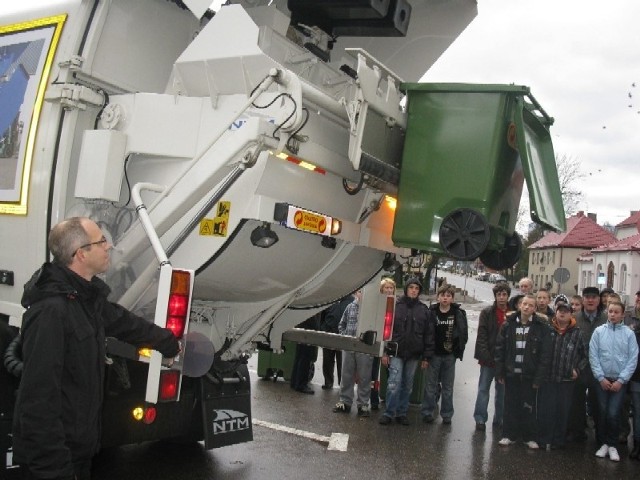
(563, 306)
(590, 291)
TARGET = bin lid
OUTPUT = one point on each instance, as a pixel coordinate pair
(539, 166)
(465, 88)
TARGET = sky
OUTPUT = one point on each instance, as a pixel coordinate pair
(581, 59)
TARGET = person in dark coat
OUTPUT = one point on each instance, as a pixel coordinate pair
(523, 357)
(332, 358)
(56, 428)
(491, 320)
(305, 356)
(451, 335)
(413, 333)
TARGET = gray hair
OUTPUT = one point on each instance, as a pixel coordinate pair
(66, 238)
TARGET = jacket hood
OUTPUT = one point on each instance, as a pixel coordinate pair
(559, 329)
(413, 281)
(52, 279)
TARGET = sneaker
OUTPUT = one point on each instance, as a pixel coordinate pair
(480, 427)
(613, 454)
(384, 420)
(428, 419)
(446, 420)
(342, 407)
(602, 451)
(403, 420)
(363, 411)
(532, 445)
(505, 442)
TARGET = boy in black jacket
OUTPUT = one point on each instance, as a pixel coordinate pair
(451, 335)
(523, 356)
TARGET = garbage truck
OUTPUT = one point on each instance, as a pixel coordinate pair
(251, 166)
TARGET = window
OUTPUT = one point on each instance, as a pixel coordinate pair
(623, 278)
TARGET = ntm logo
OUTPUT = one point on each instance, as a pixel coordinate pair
(227, 421)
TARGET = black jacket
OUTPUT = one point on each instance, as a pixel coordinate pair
(57, 416)
(537, 353)
(485, 351)
(460, 330)
(413, 329)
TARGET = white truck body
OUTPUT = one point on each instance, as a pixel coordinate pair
(210, 126)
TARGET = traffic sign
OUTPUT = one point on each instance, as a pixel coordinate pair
(561, 275)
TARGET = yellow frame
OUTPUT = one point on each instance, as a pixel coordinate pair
(19, 207)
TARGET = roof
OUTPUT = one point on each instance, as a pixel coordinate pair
(582, 232)
(631, 243)
(631, 221)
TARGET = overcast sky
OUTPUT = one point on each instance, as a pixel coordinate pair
(580, 58)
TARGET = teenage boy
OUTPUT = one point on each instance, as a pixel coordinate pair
(613, 354)
(523, 355)
(413, 332)
(491, 320)
(568, 359)
(543, 299)
(354, 363)
(451, 337)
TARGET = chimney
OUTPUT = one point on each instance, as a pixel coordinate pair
(593, 216)
(580, 213)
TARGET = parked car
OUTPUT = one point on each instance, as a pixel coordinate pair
(484, 276)
(496, 277)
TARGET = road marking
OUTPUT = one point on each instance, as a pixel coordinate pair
(337, 441)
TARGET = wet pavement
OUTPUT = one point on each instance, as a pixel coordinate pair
(417, 451)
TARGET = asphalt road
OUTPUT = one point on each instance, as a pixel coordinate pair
(418, 451)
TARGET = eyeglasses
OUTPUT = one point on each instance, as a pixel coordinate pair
(102, 242)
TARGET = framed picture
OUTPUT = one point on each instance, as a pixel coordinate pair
(26, 54)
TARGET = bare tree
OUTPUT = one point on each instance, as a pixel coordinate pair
(569, 174)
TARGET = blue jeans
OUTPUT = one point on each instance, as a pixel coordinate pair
(442, 369)
(609, 406)
(480, 413)
(399, 386)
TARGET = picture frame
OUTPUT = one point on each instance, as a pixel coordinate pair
(27, 50)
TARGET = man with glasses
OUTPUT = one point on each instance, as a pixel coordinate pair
(56, 428)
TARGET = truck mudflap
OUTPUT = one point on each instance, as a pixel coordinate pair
(226, 409)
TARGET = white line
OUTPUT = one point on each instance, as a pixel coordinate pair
(337, 441)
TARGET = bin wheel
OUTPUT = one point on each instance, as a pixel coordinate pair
(505, 257)
(464, 234)
(268, 374)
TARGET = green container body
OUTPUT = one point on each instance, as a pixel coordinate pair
(456, 155)
(273, 365)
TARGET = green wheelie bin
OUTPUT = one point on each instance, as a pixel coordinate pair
(467, 152)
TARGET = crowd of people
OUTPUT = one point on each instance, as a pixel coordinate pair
(556, 364)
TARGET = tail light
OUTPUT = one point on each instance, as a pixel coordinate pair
(178, 307)
(144, 414)
(389, 312)
(169, 385)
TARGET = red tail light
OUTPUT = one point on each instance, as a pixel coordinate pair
(387, 332)
(178, 309)
(169, 383)
(149, 415)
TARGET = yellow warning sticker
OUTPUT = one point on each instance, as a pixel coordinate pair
(217, 226)
(221, 221)
(206, 226)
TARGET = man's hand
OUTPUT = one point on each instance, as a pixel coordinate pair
(501, 381)
(385, 360)
(424, 364)
(574, 374)
(605, 384)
